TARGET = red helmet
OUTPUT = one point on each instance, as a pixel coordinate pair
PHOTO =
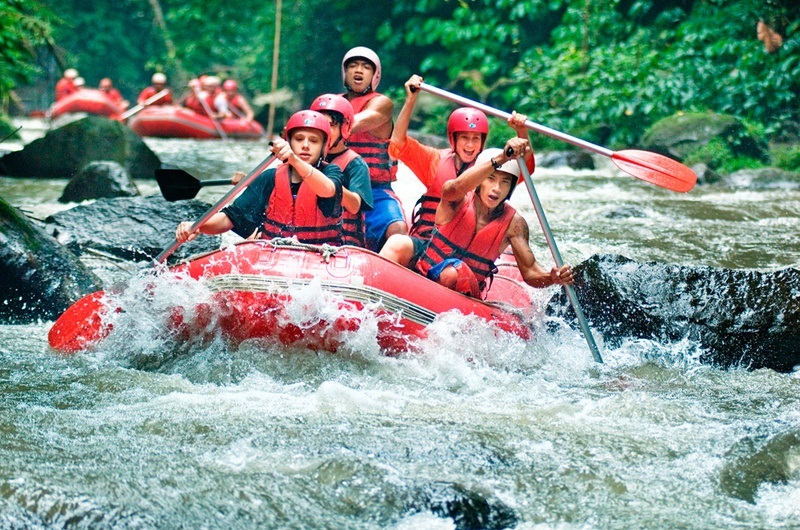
(336, 103)
(466, 119)
(363, 52)
(230, 84)
(312, 120)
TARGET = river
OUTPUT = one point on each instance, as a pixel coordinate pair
(472, 432)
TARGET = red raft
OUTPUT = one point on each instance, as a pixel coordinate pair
(88, 100)
(172, 121)
(251, 285)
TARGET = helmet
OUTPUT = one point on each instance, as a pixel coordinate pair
(510, 166)
(158, 78)
(79, 81)
(312, 120)
(70, 73)
(210, 81)
(230, 84)
(466, 119)
(362, 52)
(336, 103)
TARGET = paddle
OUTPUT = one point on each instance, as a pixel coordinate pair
(82, 324)
(206, 108)
(149, 101)
(650, 167)
(551, 243)
(178, 185)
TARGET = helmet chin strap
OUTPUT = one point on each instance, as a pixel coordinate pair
(367, 91)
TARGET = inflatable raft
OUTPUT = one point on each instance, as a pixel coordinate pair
(172, 121)
(251, 285)
(88, 100)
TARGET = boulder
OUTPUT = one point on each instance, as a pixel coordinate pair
(41, 279)
(682, 136)
(63, 152)
(572, 159)
(132, 228)
(736, 317)
(98, 180)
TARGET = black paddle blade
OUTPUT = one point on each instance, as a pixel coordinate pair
(177, 184)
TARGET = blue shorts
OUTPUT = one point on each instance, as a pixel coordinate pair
(386, 209)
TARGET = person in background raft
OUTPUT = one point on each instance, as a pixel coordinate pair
(79, 83)
(157, 83)
(467, 129)
(356, 192)
(369, 137)
(66, 85)
(237, 103)
(475, 224)
(301, 197)
(107, 87)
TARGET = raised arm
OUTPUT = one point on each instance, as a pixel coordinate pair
(377, 115)
(400, 132)
(320, 184)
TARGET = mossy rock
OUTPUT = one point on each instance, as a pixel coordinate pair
(709, 138)
(63, 152)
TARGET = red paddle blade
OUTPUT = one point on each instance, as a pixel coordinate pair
(81, 325)
(655, 169)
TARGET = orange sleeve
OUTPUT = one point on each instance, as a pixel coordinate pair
(422, 160)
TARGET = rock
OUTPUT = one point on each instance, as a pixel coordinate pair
(682, 136)
(136, 228)
(62, 152)
(41, 279)
(705, 175)
(572, 159)
(98, 180)
(736, 317)
(762, 178)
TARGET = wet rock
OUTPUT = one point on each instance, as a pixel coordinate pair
(41, 279)
(683, 135)
(136, 228)
(737, 317)
(98, 180)
(705, 175)
(626, 212)
(762, 178)
(755, 461)
(62, 152)
(572, 159)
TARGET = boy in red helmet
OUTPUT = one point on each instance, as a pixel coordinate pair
(475, 224)
(356, 188)
(301, 197)
(467, 129)
(369, 137)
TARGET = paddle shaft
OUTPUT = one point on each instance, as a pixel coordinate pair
(149, 101)
(205, 106)
(12, 133)
(444, 94)
(220, 204)
(551, 243)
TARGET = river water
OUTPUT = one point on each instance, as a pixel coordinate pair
(475, 431)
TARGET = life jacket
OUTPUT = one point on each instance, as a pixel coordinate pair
(300, 216)
(193, 103)
(235, 103)
(458, 239)
(374, 150)
(354, 231)
(64, 88)
(424, 212)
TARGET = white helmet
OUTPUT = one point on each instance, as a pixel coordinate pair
(79, 81)
(510, 166)
(369, 55)
(70, 73)
(158, 78)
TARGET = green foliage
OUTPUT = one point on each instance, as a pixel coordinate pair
(786, 157)
(24, 26)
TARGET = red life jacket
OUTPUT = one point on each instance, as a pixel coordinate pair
(288, 216)
(458, 239)
(354, 231)
(374, 150)
(425, 210)
(235, 104)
